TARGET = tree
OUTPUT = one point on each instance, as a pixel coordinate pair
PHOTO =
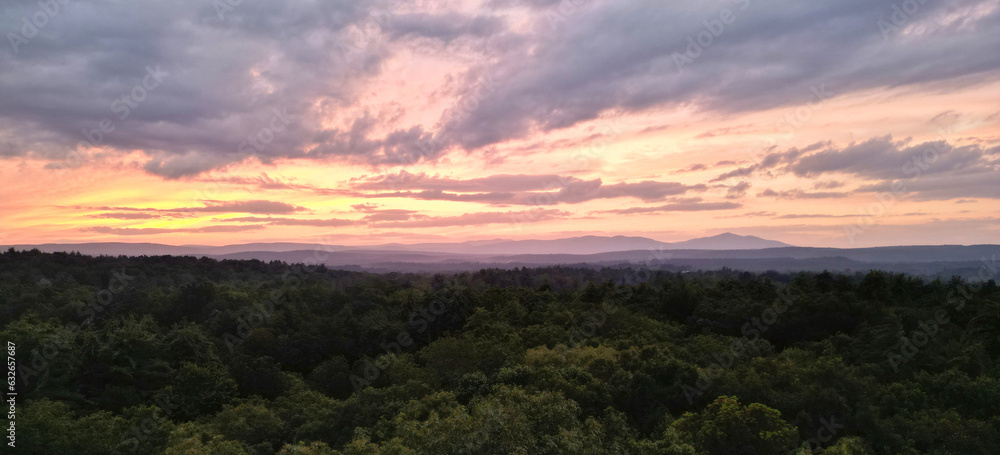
(727, 428)
(198, 390)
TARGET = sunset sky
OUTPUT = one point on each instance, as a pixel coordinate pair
(851, 123)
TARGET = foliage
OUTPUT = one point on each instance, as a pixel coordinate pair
(177, 355)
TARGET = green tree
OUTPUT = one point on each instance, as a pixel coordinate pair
(198, 390)
(727, 428)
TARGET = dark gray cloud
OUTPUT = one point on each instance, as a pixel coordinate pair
(254, 83)
(934, 170)
(445, 27)
(923, 171)
(613, 55)
(536, 3)
(954, 185)
(768, 162)
(195, 91)
(881, 157)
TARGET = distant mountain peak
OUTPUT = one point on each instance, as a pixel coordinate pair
(728, 235)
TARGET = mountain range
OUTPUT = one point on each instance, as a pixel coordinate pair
(576, 245)
(725, 250)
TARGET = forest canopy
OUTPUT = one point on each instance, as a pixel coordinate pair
(178, 355)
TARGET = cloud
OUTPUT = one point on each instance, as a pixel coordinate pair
(272, 221)
(949, 116)
(220, 80)
(375, 214)
(726, 131)
(404, 180)
(975, 183)
(737, 191)
(677, 207)
(393, 215)
(799, 194)
(155, 231)
(256, 207)
(742, 173)
(126, 216)
(648, 190)
(515, 189)
(259, 82)
(538, 4)
(769, 162)
(881, 157)
(827, 185)
(479, 219)
(755, 214)
(623, 56)
(438, 195)
(262, 182)
(795, 216)
(924, 171)
(693, 168)
(445, 27)
(367, 207)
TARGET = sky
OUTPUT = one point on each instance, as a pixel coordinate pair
(853, 123)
